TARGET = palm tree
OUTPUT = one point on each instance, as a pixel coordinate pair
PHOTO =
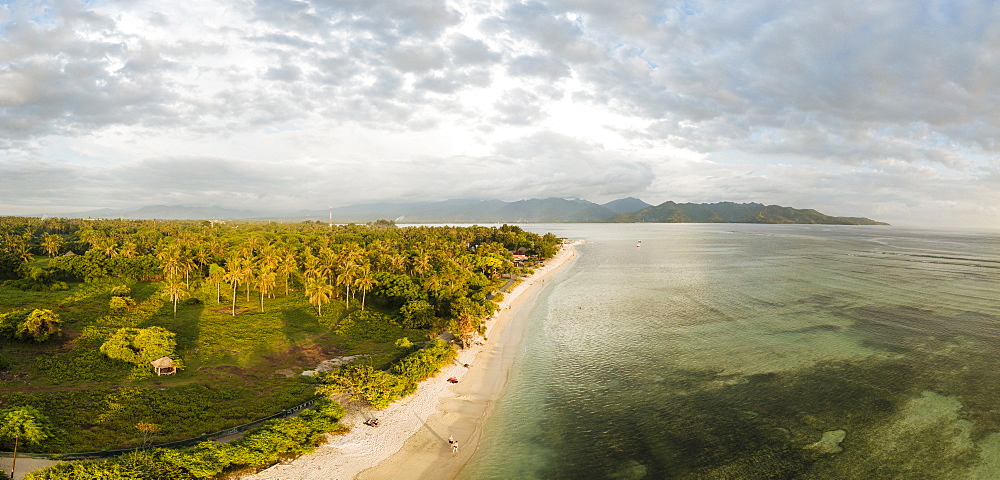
(187, 265)
(434, 285)
(397, 263)
(216, 247)
(172, 265)
(318, 292)
(346, 278)
(254, 244)
(23, 250)
(242, 268)
(202, 257)
(421, 262)
(217, 275)
(128, 249)
(365, 281)
(52, 243)
(266, 282)
(269, 257)
(311, 265)
(378, 255)
(23, 422)
(234, 276)
(91, 236)
(19, 248)
(327, 264)
(174, 290)
(107, 246)
(287, 267)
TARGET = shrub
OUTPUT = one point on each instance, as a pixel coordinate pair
(369, 325)
(417, 314)
(120, 304)
(380, 388)
(425, 362)
(328, 409)
(376, 387)
(11, 321)
(29, 285)
(121, 291)
(396, 289)
(40, 325)
(266, 445)
(140, 345)
(10, 263)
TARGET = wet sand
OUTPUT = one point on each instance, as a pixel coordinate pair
(412, 439)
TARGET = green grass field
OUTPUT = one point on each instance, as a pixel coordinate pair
(236, 368)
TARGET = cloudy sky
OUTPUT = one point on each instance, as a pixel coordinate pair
(887, 109)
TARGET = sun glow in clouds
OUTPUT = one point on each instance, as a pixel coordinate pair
(384, 101)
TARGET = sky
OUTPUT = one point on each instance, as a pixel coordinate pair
(887, 109)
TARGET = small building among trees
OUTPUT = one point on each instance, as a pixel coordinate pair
(164, 366)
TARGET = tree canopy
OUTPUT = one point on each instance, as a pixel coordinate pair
(140, 345)
(134, 290)
(40, 325)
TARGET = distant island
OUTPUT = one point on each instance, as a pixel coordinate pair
(729, 212)
(547, 210)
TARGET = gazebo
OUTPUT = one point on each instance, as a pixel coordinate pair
(164, 366)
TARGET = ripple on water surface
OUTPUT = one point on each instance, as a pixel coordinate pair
(758, 352)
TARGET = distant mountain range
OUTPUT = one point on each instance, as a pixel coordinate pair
(729, 212)
(548, 210)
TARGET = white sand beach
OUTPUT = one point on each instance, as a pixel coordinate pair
(412, 439)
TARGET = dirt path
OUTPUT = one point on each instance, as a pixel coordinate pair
(25, 465)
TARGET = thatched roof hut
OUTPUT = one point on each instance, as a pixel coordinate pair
(164, 366)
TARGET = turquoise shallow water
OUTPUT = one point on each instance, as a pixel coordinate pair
(757, 351)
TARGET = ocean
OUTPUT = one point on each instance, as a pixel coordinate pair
(733, 351)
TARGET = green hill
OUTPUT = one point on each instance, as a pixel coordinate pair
(729, 212)
(535, 210)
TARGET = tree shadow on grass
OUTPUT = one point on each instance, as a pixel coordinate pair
(299, 324)
(186, 325)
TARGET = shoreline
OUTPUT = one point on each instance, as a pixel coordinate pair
(412, 440)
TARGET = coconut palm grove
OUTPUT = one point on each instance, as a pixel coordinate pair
(119, 336)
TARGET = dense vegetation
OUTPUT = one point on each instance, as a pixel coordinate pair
(241, 308)
(729, 212)
(277, 439)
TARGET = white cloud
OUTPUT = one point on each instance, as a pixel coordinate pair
(885, 109)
